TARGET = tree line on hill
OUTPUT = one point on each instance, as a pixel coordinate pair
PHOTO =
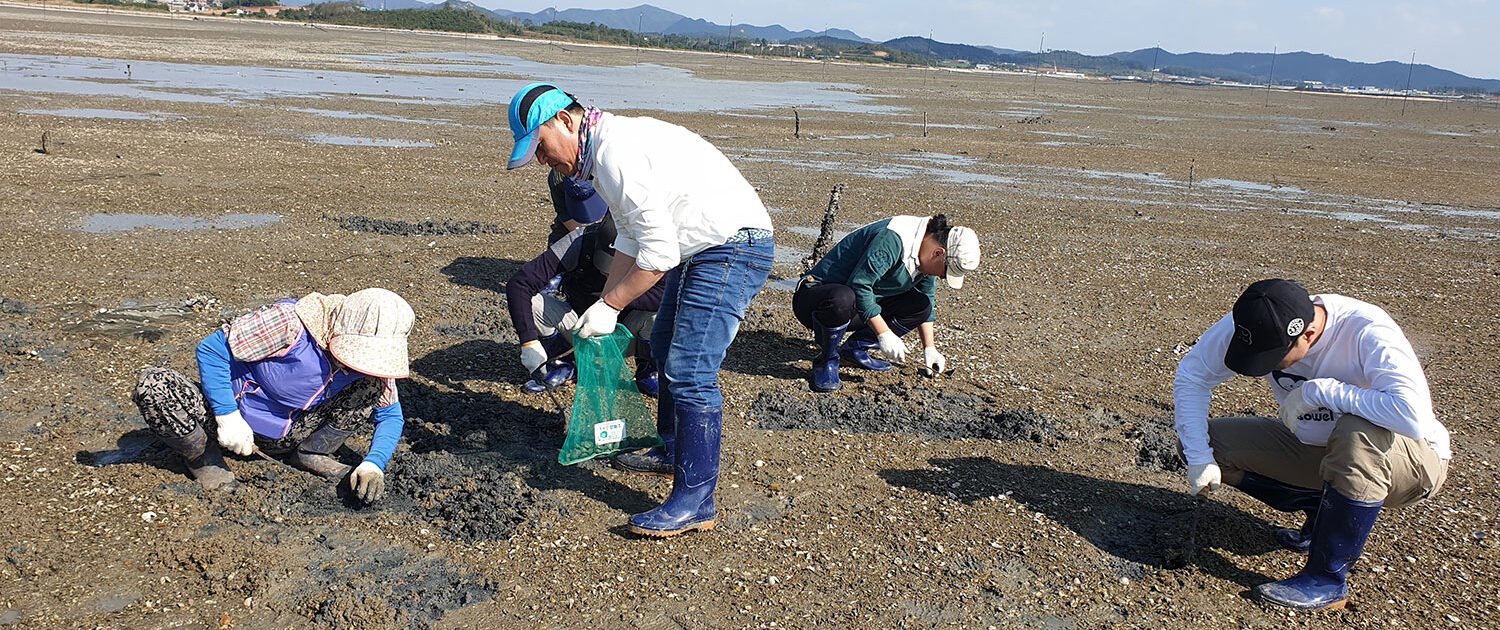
(465, 17)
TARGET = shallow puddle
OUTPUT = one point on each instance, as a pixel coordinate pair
(360, 141)
(107, 223)
(112, 114)
(491, 80)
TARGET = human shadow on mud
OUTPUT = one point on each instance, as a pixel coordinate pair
(1147, 527)
(769, 353)
(482, 272)
(504, 433)
(137, 446)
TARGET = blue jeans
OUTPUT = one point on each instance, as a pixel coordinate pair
(701, 311)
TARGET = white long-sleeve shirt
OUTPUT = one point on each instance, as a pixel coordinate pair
(1362, 364)
(672, 194)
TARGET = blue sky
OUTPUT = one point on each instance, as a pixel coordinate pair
(1458, 35)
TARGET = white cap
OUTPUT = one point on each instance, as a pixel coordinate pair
(963, 254)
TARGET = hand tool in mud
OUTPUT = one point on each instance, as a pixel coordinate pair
(540, 376)
(1191, 545)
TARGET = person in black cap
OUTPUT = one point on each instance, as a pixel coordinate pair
(1356, 431)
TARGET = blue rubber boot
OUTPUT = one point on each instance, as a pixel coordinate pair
(558, 372)
(1338, 539)
(645, 371)
(825, 369)
(856, 349)
(695, 473)
(1286, 498)
(655, 461)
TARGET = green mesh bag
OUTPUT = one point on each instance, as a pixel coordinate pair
(609, 415)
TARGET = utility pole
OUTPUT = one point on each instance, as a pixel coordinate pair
(1040, 47)
(1151, 83)
(1407, 93)
(1271, 76)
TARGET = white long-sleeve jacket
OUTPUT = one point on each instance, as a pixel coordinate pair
(672, 194)
(1362, 364)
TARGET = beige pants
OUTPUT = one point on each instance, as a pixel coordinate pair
(551, 313)
(1362, 461)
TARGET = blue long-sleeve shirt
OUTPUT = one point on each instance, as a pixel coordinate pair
(214, 360)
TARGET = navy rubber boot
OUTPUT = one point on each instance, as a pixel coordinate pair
(1286, 498)
(825, 369)
(645, 371)
(1338, 539)
(558, 372)
(654, 461)
(695, 474)
(856, 349)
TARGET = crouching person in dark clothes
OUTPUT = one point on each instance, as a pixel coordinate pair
(877, 285)
(296, 378)
(582, 258)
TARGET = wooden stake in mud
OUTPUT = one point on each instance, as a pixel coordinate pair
(796, 124)
(825, 230)
(43, 150)
(924, 124)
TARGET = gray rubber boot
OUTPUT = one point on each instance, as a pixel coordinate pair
(313, 454)
(203, 458)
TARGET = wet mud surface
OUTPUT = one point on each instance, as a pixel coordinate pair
(1037, 486)
(938, 415)
(391, 227)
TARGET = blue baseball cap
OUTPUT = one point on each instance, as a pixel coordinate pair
(529, 108)
(583, 203)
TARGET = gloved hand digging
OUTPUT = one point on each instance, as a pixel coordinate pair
(368, 482)
(892, 347)
(235, 434)
(1200, 476)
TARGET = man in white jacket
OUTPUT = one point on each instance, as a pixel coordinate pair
(1356, 431)
(683, 213)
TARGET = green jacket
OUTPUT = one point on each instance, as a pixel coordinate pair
(878, 261)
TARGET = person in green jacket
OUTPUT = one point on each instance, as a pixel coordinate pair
(877, 285)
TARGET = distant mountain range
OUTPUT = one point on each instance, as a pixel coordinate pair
(1292, 67)
(1304, 66)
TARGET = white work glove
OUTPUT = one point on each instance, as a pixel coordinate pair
(934, 360)
(533, 355)
(1202, 476)
(368, 482)
(1296, 407)
(598, 321)
(234, 434)
(891, 347)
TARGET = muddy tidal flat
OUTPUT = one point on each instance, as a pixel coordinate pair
(195, 169)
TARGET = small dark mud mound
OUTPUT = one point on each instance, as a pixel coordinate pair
(469, 497)
(1156, 446)
(343, 580)
(14, 307)
(393, 227)
(934, 414)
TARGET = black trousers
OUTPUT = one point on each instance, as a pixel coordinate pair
(829, 305)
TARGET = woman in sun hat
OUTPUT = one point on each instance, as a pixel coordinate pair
(682, 212)
(295, 378)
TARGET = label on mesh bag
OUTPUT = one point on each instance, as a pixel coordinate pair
(610, 432)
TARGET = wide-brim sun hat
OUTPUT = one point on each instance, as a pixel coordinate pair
(368, 333)
(530, 108)
(963, 255)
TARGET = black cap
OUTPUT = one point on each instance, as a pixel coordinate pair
(1268, 318)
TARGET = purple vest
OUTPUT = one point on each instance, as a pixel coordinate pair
(273, 392)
